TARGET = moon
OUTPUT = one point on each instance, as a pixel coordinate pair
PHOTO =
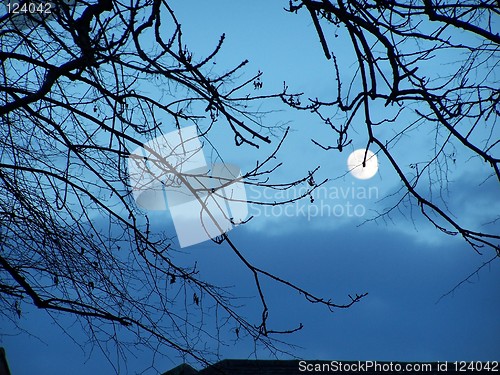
(355, 164)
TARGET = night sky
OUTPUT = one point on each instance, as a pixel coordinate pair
(402, 262)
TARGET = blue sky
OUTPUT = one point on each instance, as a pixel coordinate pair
(404, 264)
(398, 320)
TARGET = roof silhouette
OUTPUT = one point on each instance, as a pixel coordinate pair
(4, 367)
(291, 367)
(183, 369)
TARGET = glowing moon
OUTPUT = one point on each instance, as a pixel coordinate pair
(355, 164)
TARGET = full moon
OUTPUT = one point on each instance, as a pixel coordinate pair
(355, 164)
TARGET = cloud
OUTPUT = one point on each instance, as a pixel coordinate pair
(399, 319)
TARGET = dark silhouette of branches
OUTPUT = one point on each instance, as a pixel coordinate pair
(80, 88)
(426, 66)
(86, 84)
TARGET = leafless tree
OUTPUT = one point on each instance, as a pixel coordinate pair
(82, 85)
(414, 67)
